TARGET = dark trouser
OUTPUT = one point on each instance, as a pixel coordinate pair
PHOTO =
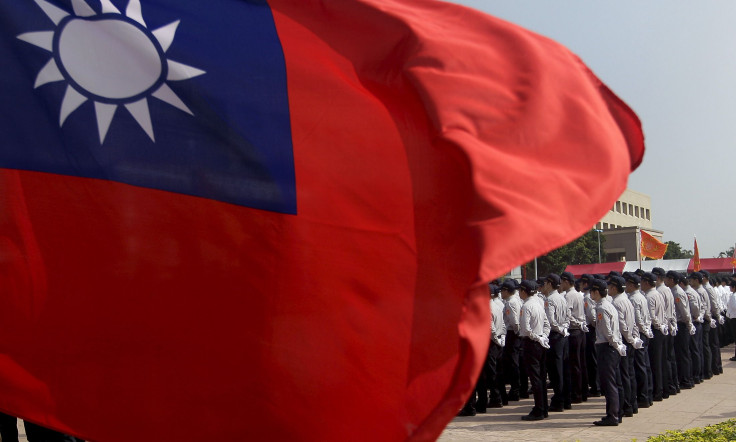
(656, 345)
(633, 389)
(511, 353)
(608, 363)
(558, 366)
(673, 383)
(696, 353)
(8, 428)
(682, 354)
(591, 361)
(494, 380)
(576, 341)
(705, 349)
(715, 351)
(642, 371)
(732, 323)
(624, 386)
(534, 364)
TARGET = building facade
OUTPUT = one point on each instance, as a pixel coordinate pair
(621, 225)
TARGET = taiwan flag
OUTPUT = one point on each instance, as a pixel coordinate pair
(276, 220)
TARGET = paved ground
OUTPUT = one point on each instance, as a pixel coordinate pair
(708, 403)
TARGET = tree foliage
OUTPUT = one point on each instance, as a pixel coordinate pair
(583, 250)
(727, 254)
(675, 251)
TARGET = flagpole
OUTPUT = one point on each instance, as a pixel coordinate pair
(638, 245)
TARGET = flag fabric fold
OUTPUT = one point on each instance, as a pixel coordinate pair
(696, 256)
(651, 247)
(312, 262)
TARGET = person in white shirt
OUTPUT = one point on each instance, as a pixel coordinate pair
(610, 348)
(512, 350)
(669, 365)
(731, 312)
(684, 330)
(558, 356)
(642, 369)
(534, 330)
(576, 340)
(659, 328)
(495, 382)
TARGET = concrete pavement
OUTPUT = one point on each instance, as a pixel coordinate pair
(711, 402)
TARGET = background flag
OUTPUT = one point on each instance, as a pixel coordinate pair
(733, 258)
(276, 220)
(651, 247)
(696, 257)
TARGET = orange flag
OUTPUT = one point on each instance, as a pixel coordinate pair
(696, 258)
(651, 247)
(733, 258)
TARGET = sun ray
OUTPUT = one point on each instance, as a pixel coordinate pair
(82, 9)
(139, 111)
(42, 39)
(54, 13)
(108, 7)
(48, 74)
(165, 34)
(179, 71)
(165, 94)
(134, 11)
(72, 100)
(104, 113)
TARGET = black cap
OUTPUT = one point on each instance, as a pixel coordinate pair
(613, 273)
(528, 286)
(673, 274)
(567, 276)
(539, 281)
(617, 282)
(659, 272)
(586, 278)
(639, 272)
(649, 277)
(706, 274)
(632, 277)
(733, 283)
(599, 285)
(696, 275)
(509, 285)
(553, 279)
(600, 276)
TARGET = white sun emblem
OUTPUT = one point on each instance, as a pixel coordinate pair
(111, 59)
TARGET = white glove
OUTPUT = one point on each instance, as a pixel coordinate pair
(664, 329)
(584, 328)
(544, 341)
(621, 349)
(502, 341)
(649, 333)
(692, 329)
(638, 343)
(673, 329)
(721, 320)
(712, 323)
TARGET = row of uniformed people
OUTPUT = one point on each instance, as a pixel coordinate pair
(653, 327)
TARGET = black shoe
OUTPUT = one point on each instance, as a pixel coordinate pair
(545, 414)
(732, 358)
(594, 394)
(697, 381)
(577, 401)
(567, 406)
(643, 404)
(495, 405)
(513, 397)
(556, 408)
(720, 371)
(636, 411)
(657, 398)
(665, 396)
(480, 410)
(466, 412)
(504, 401)
(686, 386)
(629, 413)
(606, 423)
(532, 417)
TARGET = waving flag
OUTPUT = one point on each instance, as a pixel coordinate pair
(696, 256)
(255, 220)
(651, 247)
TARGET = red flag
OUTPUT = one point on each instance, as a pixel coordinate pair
(696, 257)
(651, 247)
(733, 258)
(434, 148)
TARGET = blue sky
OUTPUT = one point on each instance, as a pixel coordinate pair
(674, 63)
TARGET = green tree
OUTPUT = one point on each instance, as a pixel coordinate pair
(675, 251)
(727, 254)
(583, 250)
